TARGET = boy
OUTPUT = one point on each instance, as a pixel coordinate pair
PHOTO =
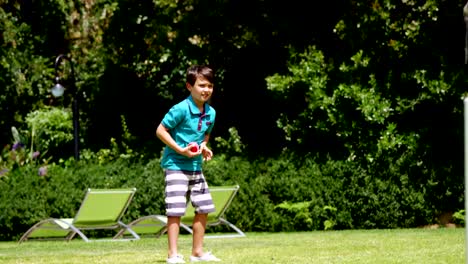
(185, 130)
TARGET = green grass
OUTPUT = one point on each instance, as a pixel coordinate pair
(352, 246)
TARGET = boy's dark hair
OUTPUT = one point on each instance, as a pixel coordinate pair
(195, 71)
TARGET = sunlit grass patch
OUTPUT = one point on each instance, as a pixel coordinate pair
(351, 246)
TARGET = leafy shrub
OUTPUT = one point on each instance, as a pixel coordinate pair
(459, 217)
(282, 194)
(49, 128)
(27, 197)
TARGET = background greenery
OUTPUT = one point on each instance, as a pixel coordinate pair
(275, 195)
(347, 113)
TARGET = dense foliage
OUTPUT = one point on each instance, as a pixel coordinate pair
(275, 194)
(368, 91)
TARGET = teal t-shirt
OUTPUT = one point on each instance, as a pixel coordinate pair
(186, 124)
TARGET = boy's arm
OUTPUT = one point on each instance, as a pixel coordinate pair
(163, 134)
(206, 152)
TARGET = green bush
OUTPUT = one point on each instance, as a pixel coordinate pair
(282, 194)
(27, 198)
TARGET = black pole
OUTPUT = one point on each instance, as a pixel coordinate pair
(465, 15)
(76, 124)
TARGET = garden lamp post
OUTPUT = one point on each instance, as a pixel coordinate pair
(58, 91)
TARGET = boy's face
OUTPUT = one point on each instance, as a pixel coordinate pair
(201, 91)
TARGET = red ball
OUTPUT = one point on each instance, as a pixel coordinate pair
(193, 147)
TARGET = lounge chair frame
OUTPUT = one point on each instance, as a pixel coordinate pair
(145, 224)
(67, 228)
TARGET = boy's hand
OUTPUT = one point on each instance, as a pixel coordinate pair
(193, 147)
(191, 150)
(206, 152)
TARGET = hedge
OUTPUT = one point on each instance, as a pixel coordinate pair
(275, 195)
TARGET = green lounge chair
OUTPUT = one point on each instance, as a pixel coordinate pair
(100, 209)
(156, 224)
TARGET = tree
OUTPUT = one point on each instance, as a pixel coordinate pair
(393, 106)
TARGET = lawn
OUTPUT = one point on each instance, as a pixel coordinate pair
(446, 245)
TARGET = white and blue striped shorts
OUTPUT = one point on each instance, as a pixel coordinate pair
(181, 185)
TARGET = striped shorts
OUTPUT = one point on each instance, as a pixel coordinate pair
(181, 185)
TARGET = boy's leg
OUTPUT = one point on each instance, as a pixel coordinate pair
(173, 227)
(199, 227)
(175, 191)
(203, 203)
